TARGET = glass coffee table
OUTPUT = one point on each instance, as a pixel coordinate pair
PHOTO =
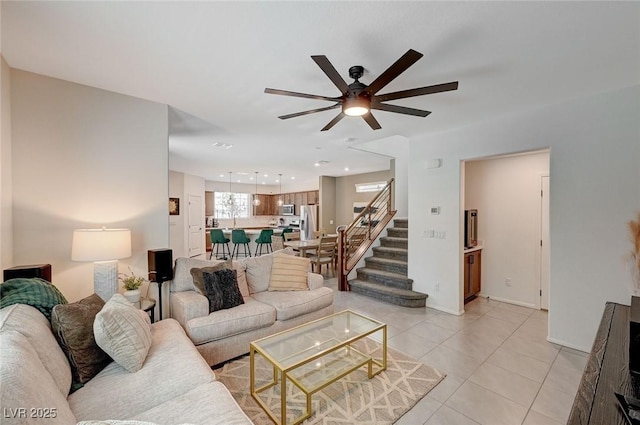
(315, 355)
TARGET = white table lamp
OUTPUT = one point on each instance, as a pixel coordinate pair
(104, 247)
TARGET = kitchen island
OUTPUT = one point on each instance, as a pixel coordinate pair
(252, 233)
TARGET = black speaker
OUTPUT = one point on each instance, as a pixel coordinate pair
(634, 336)
(160, 265)
(38, 270)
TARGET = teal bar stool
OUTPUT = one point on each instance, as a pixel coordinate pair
(239, 237)
(264, 239)
(217, 239)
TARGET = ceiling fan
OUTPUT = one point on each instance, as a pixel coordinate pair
(358, 99)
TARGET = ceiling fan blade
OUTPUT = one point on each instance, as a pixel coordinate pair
(393, 71)
(333, 121)
(438, 88)
(299, 114)
(373, 123)
(400, 109)
(304, 95)
(331, 72)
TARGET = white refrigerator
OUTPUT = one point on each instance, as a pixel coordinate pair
(308, 221)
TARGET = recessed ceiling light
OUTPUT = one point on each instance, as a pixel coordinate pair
(222, 145)
(320, 162)
(346, 168)
(293, 178)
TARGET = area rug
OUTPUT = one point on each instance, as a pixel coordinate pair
(354, 399)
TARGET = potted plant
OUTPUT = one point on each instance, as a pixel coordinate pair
(132, 285)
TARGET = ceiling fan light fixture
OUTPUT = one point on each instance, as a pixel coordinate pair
(355, 106)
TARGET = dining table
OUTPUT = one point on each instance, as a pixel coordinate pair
(302, 246)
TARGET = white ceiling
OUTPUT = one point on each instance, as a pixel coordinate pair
(211, 61)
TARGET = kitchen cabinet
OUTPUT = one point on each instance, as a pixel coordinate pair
(265, 207)
(312, 197)
(472, 274)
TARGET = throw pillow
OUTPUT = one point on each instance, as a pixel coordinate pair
(222, 290)
(72, 325)
(259, 270)
(124, 332)
(289, 273)
(197, 274)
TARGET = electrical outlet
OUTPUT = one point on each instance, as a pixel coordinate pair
(330, 221)
(507, 281)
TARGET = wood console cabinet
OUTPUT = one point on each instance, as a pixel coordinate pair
(472, 274)
(606, 372)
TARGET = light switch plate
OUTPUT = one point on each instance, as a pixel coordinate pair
(435, 210)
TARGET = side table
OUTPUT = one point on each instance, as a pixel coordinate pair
(148, 305)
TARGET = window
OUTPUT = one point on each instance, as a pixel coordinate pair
(231, 205)
(370, 187)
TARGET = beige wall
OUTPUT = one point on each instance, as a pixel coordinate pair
(346, 193)
(6, 191)
(85, 158)
(595, 191)
(506, 193)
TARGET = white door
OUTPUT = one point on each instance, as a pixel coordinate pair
(544, 244)
(196, 225)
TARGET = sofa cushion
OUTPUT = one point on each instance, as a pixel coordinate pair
(222, 290)
(289, 273)
(173, 367)
(241, 277)
(34, 291)
(182, 279)
(72, 325)
(259, 271)
(35, 327)
(224, 323)
(210, 404)
(296, 303)
(197, 274)
(26, 384)
(123, 331)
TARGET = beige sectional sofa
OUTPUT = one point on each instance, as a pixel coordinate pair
(225, 334)
(174, 386)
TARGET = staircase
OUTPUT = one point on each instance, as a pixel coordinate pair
(384, 276)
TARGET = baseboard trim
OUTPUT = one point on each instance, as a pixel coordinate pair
(568, 345)
(444, 310)
(504, 300)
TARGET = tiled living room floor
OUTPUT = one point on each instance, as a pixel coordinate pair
(500, 368)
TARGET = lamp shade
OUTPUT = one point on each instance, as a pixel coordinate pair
(100, 244)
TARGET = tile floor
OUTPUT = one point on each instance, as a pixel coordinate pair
(500, 368)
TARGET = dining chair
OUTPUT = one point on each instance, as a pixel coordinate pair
(292, 236)
(319, 233)
(218, 238)
(277, 242)
(264, 239)
(325, 254)
(239, 237)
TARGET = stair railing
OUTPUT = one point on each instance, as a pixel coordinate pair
(357, 238)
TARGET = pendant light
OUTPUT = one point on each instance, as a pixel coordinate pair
(256, 201)
(280, 203)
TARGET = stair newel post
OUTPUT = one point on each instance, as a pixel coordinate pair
(342, 274)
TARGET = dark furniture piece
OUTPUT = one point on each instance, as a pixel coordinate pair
(148, 305)
(472, 274)
(35, 270)
(606, 372)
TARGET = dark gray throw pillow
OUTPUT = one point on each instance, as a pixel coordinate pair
(72, 324)
(221, 288)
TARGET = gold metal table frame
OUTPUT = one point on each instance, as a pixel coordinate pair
(319, 353)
